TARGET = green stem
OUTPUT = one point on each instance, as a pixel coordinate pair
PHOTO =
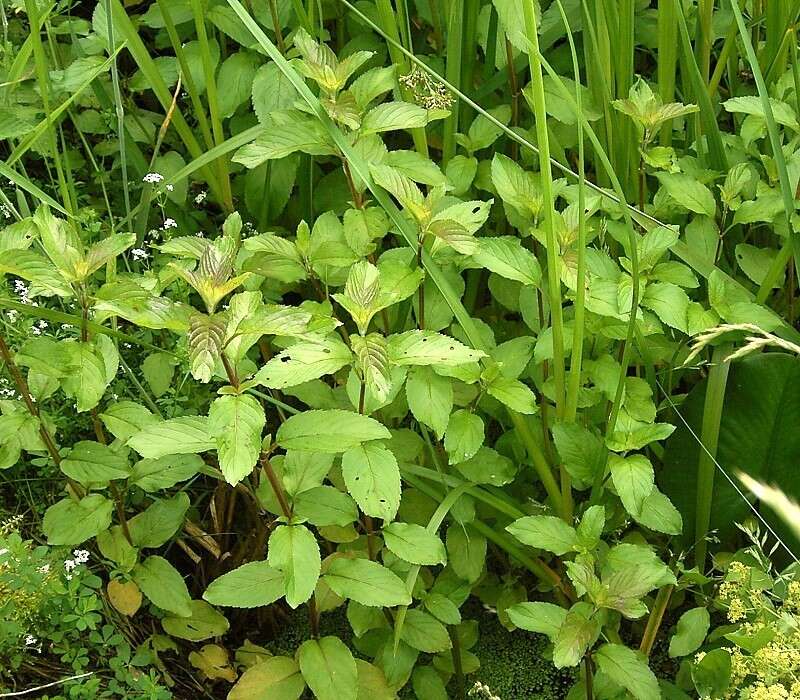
(712, 417)
(553, 256)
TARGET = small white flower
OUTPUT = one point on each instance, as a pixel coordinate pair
(69, 565)
(44, 568)
(30, 640)
(12, 315)
(36, 331)
(199, 234)
(139, 254)
(200, 198)
(153, 178)
(68, 577)
(81, 556)
(4, 551)
(42, 323)
(66, 326)
(169, 188)
(169, 223)
(127, 345)
(5, 211)
(115, 396)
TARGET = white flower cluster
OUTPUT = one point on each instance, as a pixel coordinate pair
(139, 254)
(41, 325)
(5, 212)
(200, 197)
(169, 223)
(153, 178)
(81, 556)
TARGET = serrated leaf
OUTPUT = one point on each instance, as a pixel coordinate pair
(294, 552)
(372, 477)
(331, 430)
(205, 339)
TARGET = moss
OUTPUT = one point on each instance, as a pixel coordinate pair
(516, 664)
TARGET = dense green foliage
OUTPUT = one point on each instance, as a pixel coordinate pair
(383, 316)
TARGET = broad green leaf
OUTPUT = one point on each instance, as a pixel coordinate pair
(366, 582)
(235, 422)
(544, 618)
(430, 348)
(466, 552)
(154, 526)
(123, 419)
(692, 630)
(331, 430)
(324, 506)
(90, 462)
(583, 453)
(392, 116)
(205, 340)
(204, 623)
(573, 638)
(87, 377)
(248, 586)
(274, 678)
(186, 435)
(304, 361)
(516, 187)
(285, 132)
(505, 256)
(424, 632)
(414, 544)
(488, 466)
(544, 532)
(512, 393)
(688, 192)
(163, 585)
(372, 477)
(158, 369)
(304, 470)
(464, 436)
(329, 669)
(294, 551)
(163, 473)
(627, 669)
(430, 398)
(633, 479)
(71, 522)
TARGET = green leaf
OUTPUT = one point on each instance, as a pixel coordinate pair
(331, 430)
(158, 369)
(159, 522)
(688, 192)
(424, 632)
(293, 550)
(574, 637)
(488, 466)
(205, 340)
(633, 479)
(712, 674)
(544, 618)
(414, 544)
(692, 630)
(285, 133)
(126, 418)
(753, 105)
(251, 585)
(505, 256)
(186, 435)
(274, 678)
(628, 669)
(163, 585)
(392, 116)
(324, 506)
(87, 376)
(366, 582)
(305, 470)
(512, 393)
(430, 348)
(430, 398)
(236, 422)
(583, 453)
(163, 473)
(516, 187)
(464, 436)
(304, 361)
(203, 623)
(372, 477)
(71, 522)
(670, 303)
(90, 462)
(544, 532)
(329, 669)
(466, 552)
